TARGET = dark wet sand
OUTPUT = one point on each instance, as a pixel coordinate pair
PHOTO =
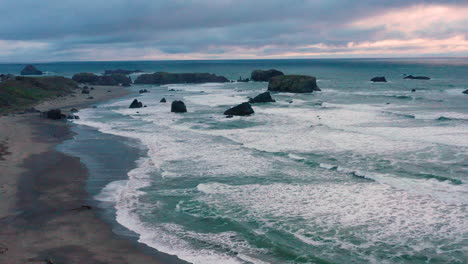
(44, 220)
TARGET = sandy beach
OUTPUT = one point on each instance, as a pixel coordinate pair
(43, 213)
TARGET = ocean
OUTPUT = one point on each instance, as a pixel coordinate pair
(358, 173)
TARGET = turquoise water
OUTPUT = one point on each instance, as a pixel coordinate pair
(357, 173)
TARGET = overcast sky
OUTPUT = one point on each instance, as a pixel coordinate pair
(68, 30)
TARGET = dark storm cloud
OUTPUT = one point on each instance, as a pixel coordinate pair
(73, 29)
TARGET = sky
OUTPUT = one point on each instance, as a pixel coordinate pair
(88, 30)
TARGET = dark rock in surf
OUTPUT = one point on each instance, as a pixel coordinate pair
(466, 91)
(262, 98)
(243, 80)
(178, 107)
(264, 75)
(136, 104)
(413, 90)
(411, 77)
(293, 84)
(243, 109)
(55, 114)
(229, 116)
(30, 70)
(85, 91)
(163, 100)
(379, 79)
(143, 91)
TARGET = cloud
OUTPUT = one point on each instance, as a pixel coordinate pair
(187, 29)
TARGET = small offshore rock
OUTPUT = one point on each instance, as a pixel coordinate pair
(30, 70)
(379, 79)
(136, 104)
(243, 109)
(163, 100)
(178, 107)
(466, 91)
(411, 77)
(262, 98)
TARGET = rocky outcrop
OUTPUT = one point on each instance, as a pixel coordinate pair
(30, 70)
(466, 91)
(143, 91)
(411, 77)
(264, 76)
(178, 107)
(85, 77)
(120, 71)
(136, 104)
(105, 80)
(262, 98)
(243, 109)
(163, 100)
(55, 114)
(293, 84)
(379, 79)
(174, 78)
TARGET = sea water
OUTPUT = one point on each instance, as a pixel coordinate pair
(358, 173)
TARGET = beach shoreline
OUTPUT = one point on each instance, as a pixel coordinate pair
(43, 214)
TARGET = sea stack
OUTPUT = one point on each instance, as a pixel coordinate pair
(30, 70)
(136, 104)
(262, 98)
(293, 84)
(264, 76)
(178, 107)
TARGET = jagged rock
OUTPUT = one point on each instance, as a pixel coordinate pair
(379, 79)
(262, 98)
(411, 77)
(466, 91)
(163, 100)
(143, 91)
(120, 71)
(178, 107)
(243, 109)
(264, 76)
(55, 114)
(293, 84)
(30, 70)
(136, 104)
(174, 78)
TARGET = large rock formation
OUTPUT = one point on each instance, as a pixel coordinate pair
(243, 109)
(293, 84)
(466, 91)
(173, 78)
(105, 80)
(120, 71)
(262, 98)
(379, 79)
(136, 104)
(411, 77)
(178, 107)
(30, 70)
(264, 76)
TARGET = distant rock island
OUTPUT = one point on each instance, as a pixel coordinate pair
(293, 84)
(264, 75)
(175, 78)
(30, 70)
(105, 80)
